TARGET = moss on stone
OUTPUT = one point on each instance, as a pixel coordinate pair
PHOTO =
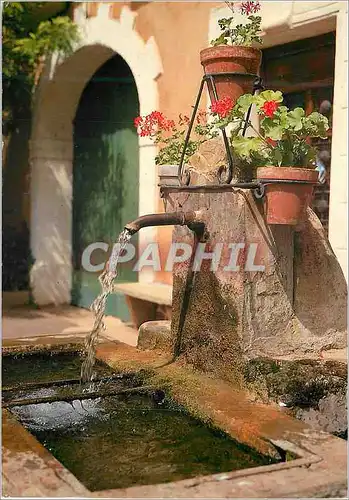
(209, 340)
(301, 383)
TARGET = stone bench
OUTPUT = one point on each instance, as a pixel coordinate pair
(147, 301)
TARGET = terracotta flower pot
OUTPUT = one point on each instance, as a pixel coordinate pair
(231, 59)
(287, 203)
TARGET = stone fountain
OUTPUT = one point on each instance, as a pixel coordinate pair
(255, 307)
(242, 355)
(254, 298)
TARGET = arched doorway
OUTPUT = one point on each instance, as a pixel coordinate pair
(105, 175)
(52, 148)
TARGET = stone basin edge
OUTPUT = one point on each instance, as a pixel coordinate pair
(320, 469)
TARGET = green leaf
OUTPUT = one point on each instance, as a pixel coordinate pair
(244, 147)
(221, 40)
(243, 34)
(295, 119)
(244, 102)
(25, 40)
(277, 154)
(224, 23)
(271, 95)
(272, 128)
(316, 125)
(282, 117)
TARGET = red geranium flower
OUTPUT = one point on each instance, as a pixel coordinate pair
(269, 108)
(156, 117)
(170, 124)
(222, 107)
(138, 121)
(271, 142)
(250, 7)
(148, 125)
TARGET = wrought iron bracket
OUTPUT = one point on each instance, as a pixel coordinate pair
(226, 173)
(259, 191)
(258, 187)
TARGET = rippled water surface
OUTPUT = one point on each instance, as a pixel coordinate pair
(45, 367)
(117, 442)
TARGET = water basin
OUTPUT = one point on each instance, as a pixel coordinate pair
(131, 437)
(44, 366)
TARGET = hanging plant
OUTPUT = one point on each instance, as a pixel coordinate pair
(281, 150)
(284, 136)
(170, 135)
(232, 57)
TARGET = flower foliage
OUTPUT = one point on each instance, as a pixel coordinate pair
(55, 35)
(25, 43)
(245, 33)
(170, 136)
(284, 137)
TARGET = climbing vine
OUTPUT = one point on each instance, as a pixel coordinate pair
(26, 42)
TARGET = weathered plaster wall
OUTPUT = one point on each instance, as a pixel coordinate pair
(159, 43)
(180, 30)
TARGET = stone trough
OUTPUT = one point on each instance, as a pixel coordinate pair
(242, 354)
(309, 462)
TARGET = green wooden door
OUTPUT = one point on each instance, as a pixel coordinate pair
(105, 175)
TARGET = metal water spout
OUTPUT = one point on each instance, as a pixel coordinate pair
(192, 219)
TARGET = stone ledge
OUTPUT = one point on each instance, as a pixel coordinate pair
(319, 468)
(28, 469)
(155, 335)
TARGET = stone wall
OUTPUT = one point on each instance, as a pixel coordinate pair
(296, 305)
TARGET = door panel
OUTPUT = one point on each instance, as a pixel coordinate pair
(105, 175)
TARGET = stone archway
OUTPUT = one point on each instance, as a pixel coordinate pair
(51, 147)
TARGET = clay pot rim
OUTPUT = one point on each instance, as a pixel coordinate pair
(282, 173)
(288, 168)
(231, 48)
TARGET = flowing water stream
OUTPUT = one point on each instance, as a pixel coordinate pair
(106, 280)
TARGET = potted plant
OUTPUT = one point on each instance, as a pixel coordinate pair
(170, 136)
(280, 151)
(232, 51)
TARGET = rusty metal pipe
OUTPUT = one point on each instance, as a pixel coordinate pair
(190, 219)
